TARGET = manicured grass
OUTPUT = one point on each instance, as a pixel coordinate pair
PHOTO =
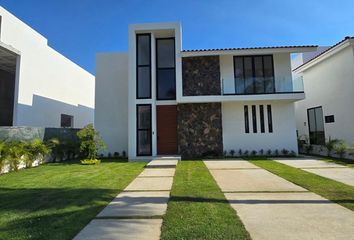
(55, 201)
(335, 191)
(198, 209)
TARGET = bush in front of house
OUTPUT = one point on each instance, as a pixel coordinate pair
(90, 142)
(340, 148)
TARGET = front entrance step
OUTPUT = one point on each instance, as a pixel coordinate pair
(122, 229)
(138, 204)
(165, 163)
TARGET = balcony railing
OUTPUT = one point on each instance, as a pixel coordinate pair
(262, 86)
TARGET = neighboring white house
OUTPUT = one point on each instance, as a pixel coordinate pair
(158, 99)
(39, 86)
(328, 110)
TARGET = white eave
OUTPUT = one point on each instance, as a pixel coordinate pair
(330, 52)
(248, 51)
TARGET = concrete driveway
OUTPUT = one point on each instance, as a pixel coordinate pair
(272, 208)
(322, 168)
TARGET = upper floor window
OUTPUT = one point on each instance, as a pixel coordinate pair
(165, 69)
(254, 74)
(143, 66)
(66, 121)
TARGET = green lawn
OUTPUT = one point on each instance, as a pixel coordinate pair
(198, 209)
(55, 201)
(335, 191)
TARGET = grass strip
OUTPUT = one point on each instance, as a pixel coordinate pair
(332, 190)
(198, 209)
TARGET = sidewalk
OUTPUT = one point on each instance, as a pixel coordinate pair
(273, 208)
(136, 213)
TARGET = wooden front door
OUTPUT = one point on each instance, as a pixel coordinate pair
(166, 129)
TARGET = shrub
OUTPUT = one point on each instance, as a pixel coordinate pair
(14, 153)
(340, 148)
(116, 154)
(124, 154)
(308, 148)
(240, 152)
(261, 152)
(245, 153)
(269, 152)
(330, 144)
(90, 162)
(285, 152)
(56, 148)
(2, 155)
(232, 153)
(292, 153)
(90, 141)
(276, 152)
(225, 153)
(253, 153)
(34, 150)
(302, 140)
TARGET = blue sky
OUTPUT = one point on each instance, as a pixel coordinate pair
(80, 28)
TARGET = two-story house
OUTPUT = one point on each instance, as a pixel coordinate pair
(158, 99)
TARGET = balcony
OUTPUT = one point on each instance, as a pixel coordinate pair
(254, 86)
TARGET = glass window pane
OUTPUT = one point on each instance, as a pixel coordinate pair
(240, 83)
(143, 49)
(248, 75)
(144, 143)
(144, 117)
(258, 73)
(166, 88)
(312, 120)
(165, 53)
(268, 74)
(144, 84)
(319, 119)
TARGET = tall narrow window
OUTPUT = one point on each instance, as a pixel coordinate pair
(143, 63)
(239, 80)
(316, 126)
(261, 115)
(254, 118)
(270, 121)
(143, 122)
(247, 124)
(166, 72)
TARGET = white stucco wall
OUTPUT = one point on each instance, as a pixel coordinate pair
(330, 84)
(282, 72)
(48, 83)
(282, 137)
(111, 106)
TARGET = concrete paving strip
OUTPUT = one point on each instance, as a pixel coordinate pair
(325, 169)
(150, 184)
(343, 175)
(130, 204)
(122, 229)
(162, 164)
(229, 164)
(158, 172)
(252, 180)
(292, 216)
(307, 163)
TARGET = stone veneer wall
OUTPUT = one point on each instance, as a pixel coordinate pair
(199, 128)
(201, 76)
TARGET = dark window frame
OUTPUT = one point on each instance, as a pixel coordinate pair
(143, 65)
(261, 116)
(246, 118)
(270, 118)
(143, 129)
(165, 68)
(71, 120)
(329, 119)
(254, 118)
(253, 74)
(315, 142)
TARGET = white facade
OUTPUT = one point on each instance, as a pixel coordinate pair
(46, 83)
(111, 114)
(329, 83)
(115, 78)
